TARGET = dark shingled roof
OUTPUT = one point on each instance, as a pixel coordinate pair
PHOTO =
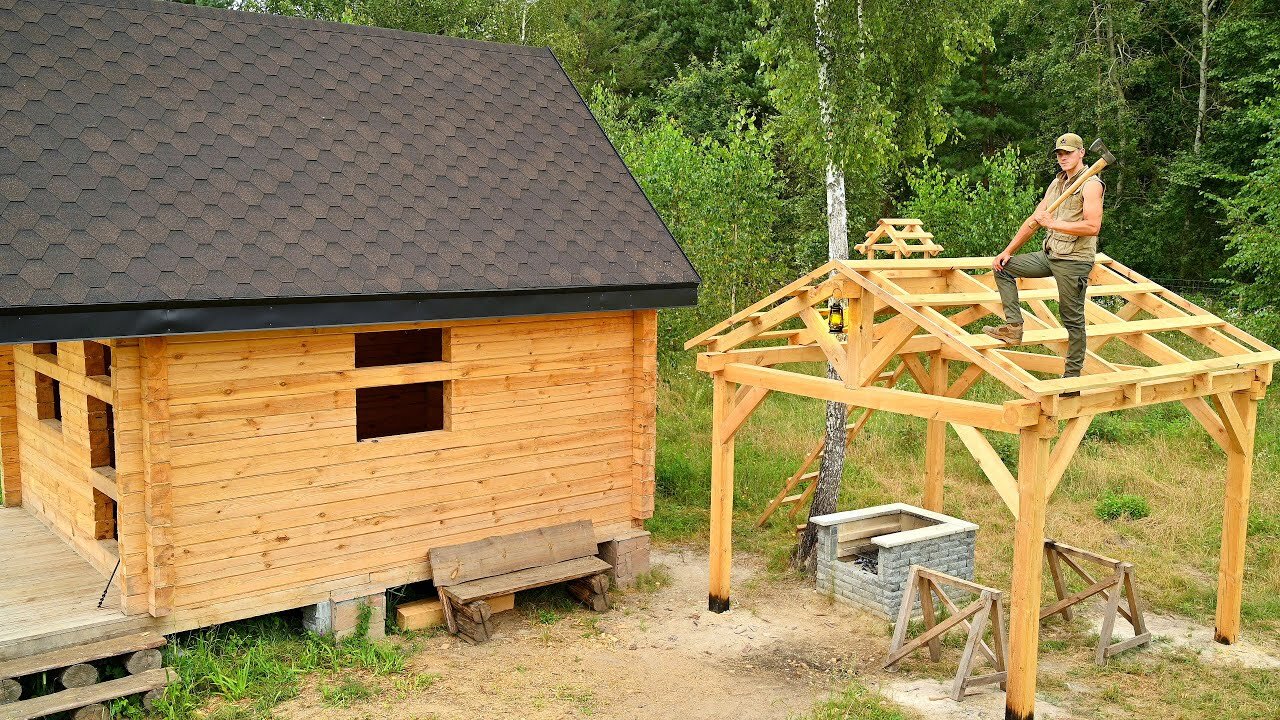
(169, 168)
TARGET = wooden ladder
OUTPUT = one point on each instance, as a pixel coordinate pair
(138, 653)
(798, 489)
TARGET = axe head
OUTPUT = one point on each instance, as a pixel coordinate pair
(1100, 148)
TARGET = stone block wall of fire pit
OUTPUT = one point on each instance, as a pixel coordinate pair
(864, 555)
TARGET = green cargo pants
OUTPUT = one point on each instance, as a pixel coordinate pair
(1072, 277)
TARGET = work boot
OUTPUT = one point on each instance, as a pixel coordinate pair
(1070, 393)
(1009, 334)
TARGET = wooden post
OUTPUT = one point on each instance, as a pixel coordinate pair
(1028, 555)
(9, 465)
(157, 490)
(721, 495)
(1240, 416)
(935, 453)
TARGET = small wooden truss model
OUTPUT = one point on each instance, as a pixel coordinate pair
(1119, 584)
(899, 237)
(1146, 345)
(922, 585)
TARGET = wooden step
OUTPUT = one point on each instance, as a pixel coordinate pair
(792, 498)
(80, 697)
(67, 657)
(809, 475)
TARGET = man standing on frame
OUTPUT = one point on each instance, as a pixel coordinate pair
(1070, 244)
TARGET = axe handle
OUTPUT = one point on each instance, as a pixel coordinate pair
(1071, 190)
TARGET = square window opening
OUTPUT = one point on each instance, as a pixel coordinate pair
(400, 347)
(102, 434)
(97, 359)
(50, 348)
(105, 525)
(48, 398)
(400, 409)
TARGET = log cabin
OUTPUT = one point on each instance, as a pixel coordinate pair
(284, 304)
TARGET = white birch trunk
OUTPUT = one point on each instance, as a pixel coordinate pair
(831, 468)
(1202, 105)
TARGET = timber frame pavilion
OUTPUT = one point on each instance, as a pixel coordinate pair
(914, 311)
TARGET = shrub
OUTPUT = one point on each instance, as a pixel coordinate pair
(1114, 506)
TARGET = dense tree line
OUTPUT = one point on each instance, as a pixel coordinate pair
(938, 109)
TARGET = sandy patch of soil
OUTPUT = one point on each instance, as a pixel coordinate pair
(1178, 632)
(662, 655)
(782, 648)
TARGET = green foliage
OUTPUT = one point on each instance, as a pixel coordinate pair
(1114, 506)
(972, 218)
(1253, 215)
(718, 199)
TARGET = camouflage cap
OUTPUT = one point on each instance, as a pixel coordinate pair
(1068, 141)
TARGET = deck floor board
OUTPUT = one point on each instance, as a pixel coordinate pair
(48, 593)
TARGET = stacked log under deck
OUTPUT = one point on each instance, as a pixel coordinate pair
(241, 486)
(895, 314)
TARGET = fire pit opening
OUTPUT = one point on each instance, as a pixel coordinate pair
(864, 555)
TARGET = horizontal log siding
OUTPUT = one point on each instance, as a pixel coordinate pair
(55, 462)
(275, 503)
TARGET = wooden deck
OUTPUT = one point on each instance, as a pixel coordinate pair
(49, 594)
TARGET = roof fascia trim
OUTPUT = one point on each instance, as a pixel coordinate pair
(124, 321)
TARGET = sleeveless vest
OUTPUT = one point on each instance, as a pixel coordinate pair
(1061, 246)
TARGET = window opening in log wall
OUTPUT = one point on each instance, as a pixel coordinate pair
(45, 348)
(399, 347)
(400, 409)
(48, 399)
(102, 434)
(105, 526)
(97, 359)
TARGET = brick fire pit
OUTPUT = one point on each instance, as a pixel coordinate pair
(864, 555)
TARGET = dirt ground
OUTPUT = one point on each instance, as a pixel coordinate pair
(783, 648)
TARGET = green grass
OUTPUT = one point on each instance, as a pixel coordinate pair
(855, 703)
(1114, 506)
(345, 693)
(244, 669)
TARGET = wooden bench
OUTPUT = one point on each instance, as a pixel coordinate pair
(468, 574)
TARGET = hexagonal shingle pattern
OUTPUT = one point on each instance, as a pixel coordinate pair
(153, 152)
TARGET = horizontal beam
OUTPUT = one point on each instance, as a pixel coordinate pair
(932, 407)
(764, 357)
(1151, 393)
(1133, 327)
(975, 298)
(1162, 372)
(960, 263)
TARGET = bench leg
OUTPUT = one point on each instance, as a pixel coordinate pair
(592, 591)
(446, 604)
(473, 621)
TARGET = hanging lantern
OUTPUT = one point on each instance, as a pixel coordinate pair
(835, 316)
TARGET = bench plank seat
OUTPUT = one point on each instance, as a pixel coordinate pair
(527, 579)
(469, 573)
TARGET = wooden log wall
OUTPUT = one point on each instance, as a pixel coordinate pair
(275, 504)
(56, 460)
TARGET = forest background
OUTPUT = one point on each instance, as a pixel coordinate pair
(940, 111)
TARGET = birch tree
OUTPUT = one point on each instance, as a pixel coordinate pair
(860, 96)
